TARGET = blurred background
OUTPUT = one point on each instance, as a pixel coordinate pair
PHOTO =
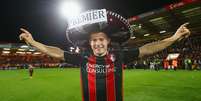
(151, 21)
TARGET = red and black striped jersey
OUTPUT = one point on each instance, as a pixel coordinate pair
(102, 77)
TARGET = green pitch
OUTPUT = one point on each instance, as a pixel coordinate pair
(64, 85)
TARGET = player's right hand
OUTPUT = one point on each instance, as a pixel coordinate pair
(26, 36)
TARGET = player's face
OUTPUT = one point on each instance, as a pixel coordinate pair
(99, 43)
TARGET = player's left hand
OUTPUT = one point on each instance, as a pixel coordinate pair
(182, 32)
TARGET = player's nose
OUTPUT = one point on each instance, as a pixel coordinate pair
(98, 42)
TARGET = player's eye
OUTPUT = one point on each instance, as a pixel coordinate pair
(94, 40)
(101, 39)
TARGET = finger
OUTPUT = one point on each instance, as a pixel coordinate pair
(184, 30)
(22, 35)
(187, 36)
(185, 24)
(187, 31)
(185, 27)
(24, 30)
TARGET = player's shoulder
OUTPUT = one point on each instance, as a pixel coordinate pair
(85, 53)
(115, 51)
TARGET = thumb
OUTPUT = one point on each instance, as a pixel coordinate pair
(25, 31)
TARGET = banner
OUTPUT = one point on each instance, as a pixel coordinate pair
(89, 17)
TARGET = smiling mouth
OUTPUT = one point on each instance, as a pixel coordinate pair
(98, 46)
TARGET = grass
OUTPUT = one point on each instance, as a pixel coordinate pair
(64, 85)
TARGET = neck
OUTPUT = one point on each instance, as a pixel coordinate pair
(100, 55)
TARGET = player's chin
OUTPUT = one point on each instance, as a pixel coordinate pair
(99, 53)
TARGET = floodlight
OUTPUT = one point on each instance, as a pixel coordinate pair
(69, 9)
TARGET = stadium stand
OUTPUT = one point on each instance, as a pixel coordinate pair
(161, 23)
(15, 56)
(148, 27)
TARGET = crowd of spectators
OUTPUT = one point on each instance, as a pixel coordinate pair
(17, 61)
(189, 58)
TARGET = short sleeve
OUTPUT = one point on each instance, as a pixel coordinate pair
(129, 55)
(72, 58)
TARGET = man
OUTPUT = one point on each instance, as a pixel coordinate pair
(101, 68)
(31, 70)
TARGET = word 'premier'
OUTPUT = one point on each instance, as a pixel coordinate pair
(89, 17)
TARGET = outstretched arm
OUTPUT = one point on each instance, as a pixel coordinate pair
(151, 48)
(49, 50)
